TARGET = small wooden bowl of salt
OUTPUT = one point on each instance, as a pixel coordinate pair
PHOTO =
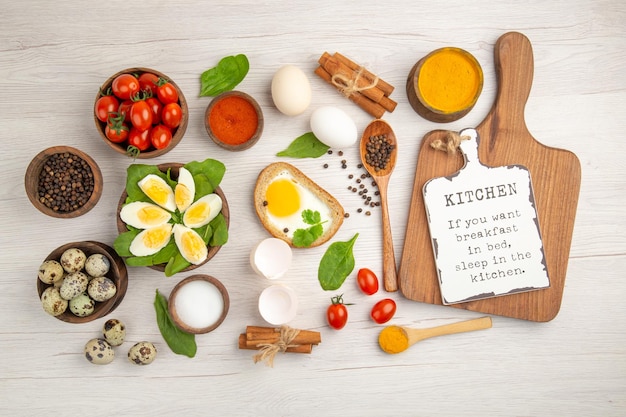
(198, 304)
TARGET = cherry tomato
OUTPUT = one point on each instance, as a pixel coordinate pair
(115, 130)
(160, 136)
(368, 281)
(148, 82)
(171, 115)
(125, 108)
(139, 139)
(157, 107)
(125, 86)
(141, 115)
(104, 106)
(383, 310)
(337, 313)
(166, 92)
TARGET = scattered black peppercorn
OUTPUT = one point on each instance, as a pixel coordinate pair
(325, 165)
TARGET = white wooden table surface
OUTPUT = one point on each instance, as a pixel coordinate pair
(55, 55)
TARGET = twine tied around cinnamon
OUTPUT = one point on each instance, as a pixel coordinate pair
(269, 350)
(349, 85)
(451, 142)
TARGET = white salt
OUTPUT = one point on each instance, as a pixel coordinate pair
(199, 304)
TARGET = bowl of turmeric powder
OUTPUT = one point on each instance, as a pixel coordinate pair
(234, 121)
(444, 85)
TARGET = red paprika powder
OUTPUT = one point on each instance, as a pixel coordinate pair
(233, 120)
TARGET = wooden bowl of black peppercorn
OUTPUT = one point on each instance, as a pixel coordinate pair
(63, 182)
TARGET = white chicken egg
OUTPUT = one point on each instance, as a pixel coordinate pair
(190, 244)
(150, 241)
(291, 90)
(143, 215)
(333, 127)
(202, 211)
(158, 191)
(185, 190)
(286, 199)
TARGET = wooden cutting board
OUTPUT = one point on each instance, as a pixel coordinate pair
(505, 140)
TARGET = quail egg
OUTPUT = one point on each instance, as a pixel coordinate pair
(97, 265)
(73, 260)
(74, 284)
(114, 332)
(50, 272)
(142, 353)
(82, 305)
(99, 352)
(101, 289)
(52, 302)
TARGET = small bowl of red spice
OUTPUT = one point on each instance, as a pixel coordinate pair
(234, 121)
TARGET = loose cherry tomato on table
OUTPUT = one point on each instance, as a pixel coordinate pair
(139, 139)
(171, 115)
(337, 313)
(166, 92)
(367, 280)
(140, 114)
(105, 105)
(125, 86)
(383, 310)
(157, 107)
(160, 136)
(148, 82)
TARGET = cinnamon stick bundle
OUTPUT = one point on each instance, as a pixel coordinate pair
(361, 86)
(283, 339)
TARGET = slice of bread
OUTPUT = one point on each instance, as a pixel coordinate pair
(267, 175)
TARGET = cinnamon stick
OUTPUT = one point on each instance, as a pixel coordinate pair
(335, 67)
(259, 334)
(293, 349)
(373, 109)
(382, 84)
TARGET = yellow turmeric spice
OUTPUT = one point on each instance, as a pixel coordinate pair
(450, 80)
(392, 339)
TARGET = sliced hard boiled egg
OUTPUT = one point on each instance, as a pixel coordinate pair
(158, 191)
(190, 244)
(185, 190)
(150, 241)
(202, 211)
(143, 215)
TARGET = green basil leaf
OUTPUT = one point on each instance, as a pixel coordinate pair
(229, 72)
(336, 264)
(181, 343)
(220, 231)
(207, 175)
(305, 146)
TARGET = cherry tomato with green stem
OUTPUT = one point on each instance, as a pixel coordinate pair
(166, 92)
(116, 131)
(160, 136)
(105, 105)
(383, 310)
(367, 280)
(140, 113)
(148, 82)
(171, 115)
(337, 313)
(139, 139)
(125, 86)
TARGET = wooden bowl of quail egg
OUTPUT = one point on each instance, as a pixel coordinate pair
(172, 221)
(81, 281)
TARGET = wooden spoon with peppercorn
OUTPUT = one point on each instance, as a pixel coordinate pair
(378, 154)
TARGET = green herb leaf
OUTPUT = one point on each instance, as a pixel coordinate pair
(303, 238)
(336, 264)
(207, 175)
(311, 217)
(176, 264)
(229, 72)
(181, 343)
(134, 174)
(220, 231)
(305, 146)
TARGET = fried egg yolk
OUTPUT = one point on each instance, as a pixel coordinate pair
(283, 198)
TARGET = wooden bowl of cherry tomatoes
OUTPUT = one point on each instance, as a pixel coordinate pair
(141, 113)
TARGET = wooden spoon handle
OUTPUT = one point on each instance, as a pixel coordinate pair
(463, 326)
(390, 273)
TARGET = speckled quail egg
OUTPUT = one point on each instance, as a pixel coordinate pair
(114, 332)
(97, 265)
(101, 289)
(99, 352)
(142, 353)
(82, 305)
(74, 284)
(73, 260)
(50, 271)
(52, 301)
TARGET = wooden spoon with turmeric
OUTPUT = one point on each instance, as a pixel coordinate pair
(378, 154)
(396, 339)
